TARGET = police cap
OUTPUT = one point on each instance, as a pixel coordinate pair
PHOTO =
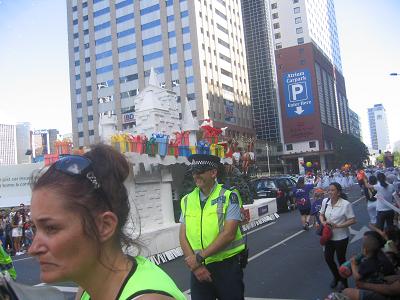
(204, 162)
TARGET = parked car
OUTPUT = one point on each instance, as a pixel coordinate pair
(275, 186)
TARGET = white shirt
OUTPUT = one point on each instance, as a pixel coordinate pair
(385, 193)
(338, 214)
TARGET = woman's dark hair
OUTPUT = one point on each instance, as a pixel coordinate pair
(377, 236)
(111, 170)
(382, 179)
(340, 190)
(372, 180)
(16, 217)
(300, 183)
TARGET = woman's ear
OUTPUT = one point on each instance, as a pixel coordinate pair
(106, 224)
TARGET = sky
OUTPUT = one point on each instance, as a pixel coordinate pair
(34, 71)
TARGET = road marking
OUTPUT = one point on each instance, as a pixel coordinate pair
(276, 245)
(259, 228)
(30, 257)
(359, 199)
(64, 289)
(358, 234)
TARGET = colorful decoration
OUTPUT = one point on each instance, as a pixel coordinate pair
(63, 147)
(309, 164)
(179, 144)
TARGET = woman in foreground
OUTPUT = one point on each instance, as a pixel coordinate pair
(79, 209)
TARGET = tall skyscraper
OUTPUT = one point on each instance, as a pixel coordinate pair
(378, 128)
(313, 101)
(24, 142)
(8, 144)
(262, 72)
(196, 47)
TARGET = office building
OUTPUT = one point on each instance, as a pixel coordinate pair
(261, 67)
(24, 143)
(8, 144)
(378, 128)
(355, 125)
(43, 142)
(197, 49)
(312, 93)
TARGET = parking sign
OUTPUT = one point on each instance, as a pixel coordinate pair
(298, 93)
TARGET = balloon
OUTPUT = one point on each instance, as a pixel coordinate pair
(309, 164)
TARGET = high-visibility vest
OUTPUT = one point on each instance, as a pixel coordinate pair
(203, 225)
(6, 264)
(147, 277)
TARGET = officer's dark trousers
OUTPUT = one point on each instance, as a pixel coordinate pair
(227, 282)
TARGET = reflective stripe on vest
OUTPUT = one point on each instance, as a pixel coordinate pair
(201, 220)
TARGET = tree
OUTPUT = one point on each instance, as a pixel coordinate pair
(396, 158)
(349, 149)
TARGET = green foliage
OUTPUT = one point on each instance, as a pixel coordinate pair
(349, 149)
(235, 179)
(396, 158)
(379, 158)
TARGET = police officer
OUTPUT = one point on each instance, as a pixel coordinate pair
(210, 237)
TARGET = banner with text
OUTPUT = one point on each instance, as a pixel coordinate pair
(15, 184)
(298, 93)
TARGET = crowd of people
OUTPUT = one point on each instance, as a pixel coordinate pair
(80, 207)
(15, 229)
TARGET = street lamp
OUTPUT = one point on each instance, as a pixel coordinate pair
(269, 170)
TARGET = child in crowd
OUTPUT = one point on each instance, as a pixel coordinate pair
(318, 195)
(391, 235)
(375, 265)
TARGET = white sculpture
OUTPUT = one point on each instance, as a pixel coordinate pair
(156, 109)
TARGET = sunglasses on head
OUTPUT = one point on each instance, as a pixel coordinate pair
(77, 166)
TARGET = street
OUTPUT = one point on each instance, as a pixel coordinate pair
(285, 261)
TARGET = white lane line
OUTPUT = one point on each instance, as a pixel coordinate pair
(29, 257)
(359, 199)
(64, 289)
(276, 245)
(259, 228)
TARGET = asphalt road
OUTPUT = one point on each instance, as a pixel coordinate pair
(285, 262)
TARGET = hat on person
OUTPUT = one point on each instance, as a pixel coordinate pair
(326, 235)
(203, 162)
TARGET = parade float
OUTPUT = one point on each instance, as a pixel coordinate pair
(158, 148)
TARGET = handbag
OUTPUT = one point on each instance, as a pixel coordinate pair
(321, 227)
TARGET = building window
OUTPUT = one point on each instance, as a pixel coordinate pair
(300, 41)
(289, 147)
(297, 20)
(312, 144)
(299, 30)
(277, 35)
(296, 10)
(278, 46)
(91, 132)
(276, 25)
(80, 134)
(295, 1)
(274, 5)
(275, 16)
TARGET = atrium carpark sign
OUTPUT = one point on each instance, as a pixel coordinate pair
(299, 101)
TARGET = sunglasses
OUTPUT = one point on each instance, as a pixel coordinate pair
(77, 166)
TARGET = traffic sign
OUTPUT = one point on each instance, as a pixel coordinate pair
(298, 93)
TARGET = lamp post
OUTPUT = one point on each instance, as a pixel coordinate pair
(267, 148)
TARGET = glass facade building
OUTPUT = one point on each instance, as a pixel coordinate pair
(196, 49)
(261, 66)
